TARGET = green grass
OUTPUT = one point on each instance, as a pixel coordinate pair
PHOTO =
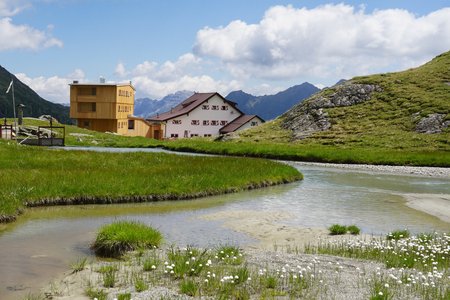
(337, 229)
(33, 175)
(353, 229)
(399, 234)
(114, 239)
(422, 252)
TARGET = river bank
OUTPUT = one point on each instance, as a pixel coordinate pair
(433, 172)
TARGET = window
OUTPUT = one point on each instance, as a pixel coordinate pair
(205, 107)
(174, 135)
(224, 107)
(177, 122)
(254, 123)
(86, 123)
(205, 122)
(207, 135)
(87, 107)
(223, 122)
(87, 91)
(194, 134)
(130, 124)
(215, 107)
(195, 122)
(214, 122)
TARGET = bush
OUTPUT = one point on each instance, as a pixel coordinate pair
(337, 229)
(113, 240)
(353, 229)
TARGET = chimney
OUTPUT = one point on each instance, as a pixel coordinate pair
(102, 79)
(75, 82)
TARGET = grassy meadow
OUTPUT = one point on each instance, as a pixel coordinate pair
(32, 175)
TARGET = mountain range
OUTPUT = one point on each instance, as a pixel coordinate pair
(268, 106)
(271, 106)
(145, 107)
(35, 105)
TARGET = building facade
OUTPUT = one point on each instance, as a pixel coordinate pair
(109, 108)
(202, 115)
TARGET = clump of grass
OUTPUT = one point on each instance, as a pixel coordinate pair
(113, 240)
(151, 263)
(124, 296)
(353, 229)
(189, 287)
(230, 255)
(139, 284)
(398, 234)
(93, 293)
(109, 278)
(188, 262)
(337, 229)
(79, 265)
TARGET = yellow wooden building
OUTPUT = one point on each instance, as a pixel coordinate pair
(109, 107)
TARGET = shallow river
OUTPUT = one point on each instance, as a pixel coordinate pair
(43, 243)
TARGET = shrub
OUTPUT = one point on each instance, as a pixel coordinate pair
(398, 234)
(337, 229)
(353, 229)
(113, 240)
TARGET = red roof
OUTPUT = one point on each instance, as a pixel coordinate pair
(238, 123)
(188, 105)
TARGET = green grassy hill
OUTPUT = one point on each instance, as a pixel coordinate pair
(388, 120)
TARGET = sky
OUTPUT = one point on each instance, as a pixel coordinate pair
(259, 46)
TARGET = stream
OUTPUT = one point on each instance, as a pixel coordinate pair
(43, 243)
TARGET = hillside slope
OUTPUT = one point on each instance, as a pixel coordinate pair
(35, 105)
(403, 110)
(271, 106)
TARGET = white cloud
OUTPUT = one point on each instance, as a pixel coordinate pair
(9, 8)
(327, 41)
(120, 70)
(155, 80)
(15, 36)
(55, 88)
(157, 89)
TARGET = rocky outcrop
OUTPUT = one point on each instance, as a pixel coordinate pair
(308, 117)
(433, 123)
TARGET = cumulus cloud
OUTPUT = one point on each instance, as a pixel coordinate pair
(53, 88)
(15, 36)
(326, 41)
(155, 80)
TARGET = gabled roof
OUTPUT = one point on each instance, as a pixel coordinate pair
(188, 105)
(238, 123)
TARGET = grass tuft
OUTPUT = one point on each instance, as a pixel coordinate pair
(113, 240)
(337, 229)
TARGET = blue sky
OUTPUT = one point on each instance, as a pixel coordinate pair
(259, 46)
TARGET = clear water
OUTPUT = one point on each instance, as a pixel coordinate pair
(46, 240)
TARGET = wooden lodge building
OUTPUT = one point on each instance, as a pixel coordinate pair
(109, 107)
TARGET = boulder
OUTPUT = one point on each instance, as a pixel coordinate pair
(433, 123)
(309, 116)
